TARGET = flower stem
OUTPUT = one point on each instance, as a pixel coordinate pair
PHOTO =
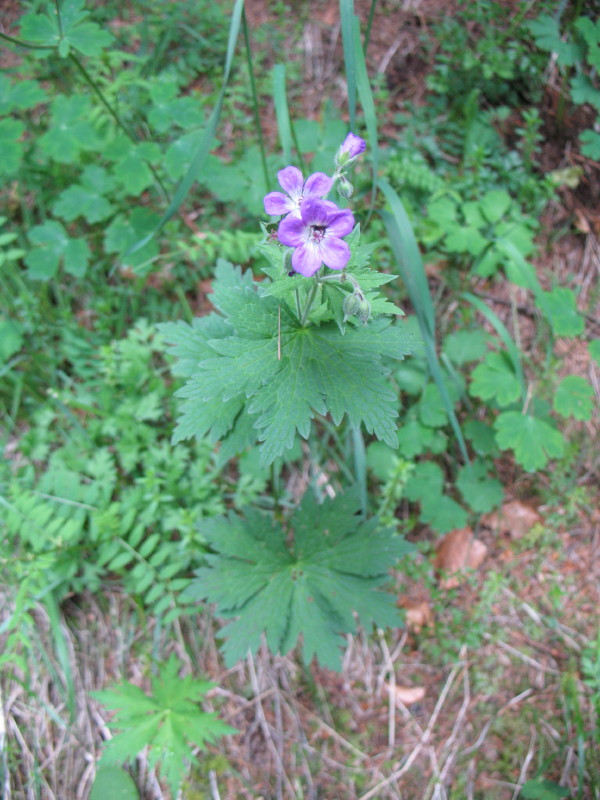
(309, 302)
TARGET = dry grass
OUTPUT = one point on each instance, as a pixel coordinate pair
(491, 711)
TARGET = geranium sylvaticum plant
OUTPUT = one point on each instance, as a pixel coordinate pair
(315, 339)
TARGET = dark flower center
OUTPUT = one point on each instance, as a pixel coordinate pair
(318, 231)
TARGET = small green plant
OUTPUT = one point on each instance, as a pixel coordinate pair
(578, 58)
(168, 721)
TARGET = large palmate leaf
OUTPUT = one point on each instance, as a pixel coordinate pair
(310, 587)
(255, 358)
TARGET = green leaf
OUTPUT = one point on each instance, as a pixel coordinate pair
(80, 200)
(442, 513)
(426, 480)
(284, 373)
(574, 397)
(132, 168)
(53, 247)
(165, 720)
(11, 338)
(465, 240)
(590, 144)
(87, 37)
(481, 437)
(310, 587)
(12, 150)
(431, 407)
(113, 782)
(480, 491)
(71, 131)
(496, 379)
(464, 346)
(584, 91)
(123, 232)
(180, 154)
(415, 438)
(19, 96)
(594, 349)
(539, 789)
(381, 460)
(546, 32)
(560, 308)
(495, 204)
(533, 440)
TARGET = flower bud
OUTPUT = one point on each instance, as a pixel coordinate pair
(364, 311)
(345, 188)
(350, 149)
(351, 305)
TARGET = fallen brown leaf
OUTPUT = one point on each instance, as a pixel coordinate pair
(407, 695)
(458, 551)
(515, 519)
(418, 615)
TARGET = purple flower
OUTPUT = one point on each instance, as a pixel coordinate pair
(317, 185)
(315, 235)
(351, 148)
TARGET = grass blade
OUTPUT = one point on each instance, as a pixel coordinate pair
(282, 112)
(503, 333)
(348, 41)
(410, 264)
(366, 100)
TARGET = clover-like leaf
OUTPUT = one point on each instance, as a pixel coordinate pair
(584, 91)
(426, 480)
(466, 345)
(590, 144)
(480, 491)
(19, 95)
(71, 31)
(533, 440)
(442, 513)
(86, 199)
(54, 246)
(560, 308)
(168, 110)
(333, 567)
(574, 397)
(71, 131)
(132, 163)
(496, 379)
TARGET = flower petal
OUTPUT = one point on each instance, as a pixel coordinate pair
(341, 223)
(292, 231)
(277, 203)
(315, 211)
(318, 183)
(307, 259)
(290, 179)
(334, 252)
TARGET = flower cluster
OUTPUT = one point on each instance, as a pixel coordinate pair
(313, 225)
